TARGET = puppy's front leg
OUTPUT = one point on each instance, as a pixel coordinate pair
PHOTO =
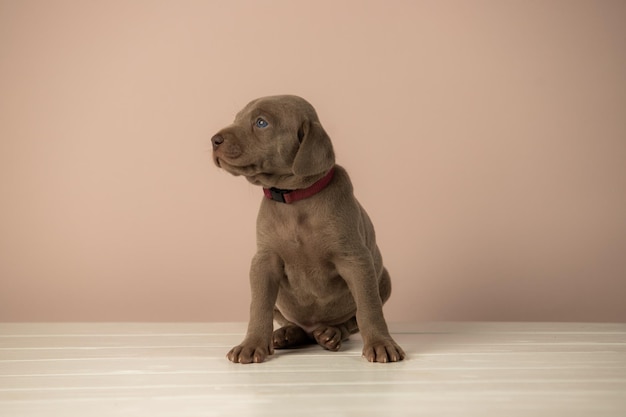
(265, 274)
(359, 273)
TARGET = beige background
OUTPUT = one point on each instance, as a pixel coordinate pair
(487, 140)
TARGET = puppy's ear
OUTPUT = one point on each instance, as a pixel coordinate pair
(315, 154)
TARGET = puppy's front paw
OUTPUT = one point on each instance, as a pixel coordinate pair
(383, 351)
(249, 353)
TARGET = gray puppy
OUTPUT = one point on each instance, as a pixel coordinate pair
(317, 270)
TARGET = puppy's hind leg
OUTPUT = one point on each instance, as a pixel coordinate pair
(289, 335)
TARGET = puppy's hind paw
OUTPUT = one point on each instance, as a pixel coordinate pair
(328, 337)
(290, 336)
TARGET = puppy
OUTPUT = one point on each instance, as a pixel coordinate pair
(317, 271)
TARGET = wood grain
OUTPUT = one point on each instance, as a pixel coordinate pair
(180, 369)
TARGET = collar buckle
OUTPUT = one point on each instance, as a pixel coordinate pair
(277, 194)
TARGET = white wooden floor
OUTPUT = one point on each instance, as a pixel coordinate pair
(453, 369)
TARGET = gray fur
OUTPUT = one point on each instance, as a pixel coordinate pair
(317, 271)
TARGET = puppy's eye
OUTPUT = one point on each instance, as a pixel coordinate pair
(261, 123)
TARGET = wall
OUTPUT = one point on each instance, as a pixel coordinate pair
(486, 139)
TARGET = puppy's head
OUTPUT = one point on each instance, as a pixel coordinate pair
(275, 141)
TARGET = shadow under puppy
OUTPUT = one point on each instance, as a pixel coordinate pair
(317, 270)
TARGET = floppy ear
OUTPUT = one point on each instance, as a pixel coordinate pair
(315, 154)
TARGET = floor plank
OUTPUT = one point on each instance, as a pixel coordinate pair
(179, 369)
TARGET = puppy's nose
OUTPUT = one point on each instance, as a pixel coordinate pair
(217, 140)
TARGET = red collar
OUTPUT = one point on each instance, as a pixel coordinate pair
(290, 196)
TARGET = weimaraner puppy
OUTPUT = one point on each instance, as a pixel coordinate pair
(317, 270)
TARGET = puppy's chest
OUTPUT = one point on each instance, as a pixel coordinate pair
(297, 237)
